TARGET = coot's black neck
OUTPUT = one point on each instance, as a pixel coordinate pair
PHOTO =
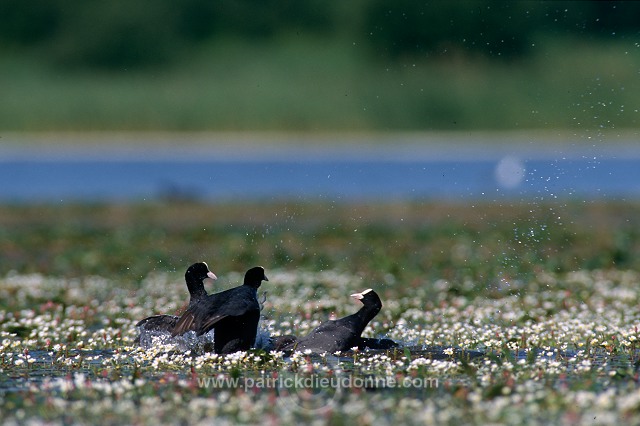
(365, 315)
(196, 287)
(253, 285)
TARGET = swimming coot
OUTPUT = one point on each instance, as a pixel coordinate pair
(344, 333)
(194, 278)
(233, 314)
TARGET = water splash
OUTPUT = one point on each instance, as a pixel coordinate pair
(185, 342)
(196, 344)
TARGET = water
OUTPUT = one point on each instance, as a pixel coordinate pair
(390, 173)
(88, 362)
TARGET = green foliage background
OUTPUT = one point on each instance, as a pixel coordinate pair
(317, 66)
(116, 33)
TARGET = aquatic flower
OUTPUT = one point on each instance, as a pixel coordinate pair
(561, 342)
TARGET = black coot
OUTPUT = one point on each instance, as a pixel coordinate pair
(344, 333)
(194, 278)
(233, 314)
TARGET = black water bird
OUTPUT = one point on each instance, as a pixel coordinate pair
(233, 314)
(194, 277)
(344, 333)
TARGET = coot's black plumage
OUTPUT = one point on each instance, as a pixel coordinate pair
(233, 313)
(287, 342)
(194, 277)
(344, 333)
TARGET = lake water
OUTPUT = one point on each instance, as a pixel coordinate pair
(337, 173)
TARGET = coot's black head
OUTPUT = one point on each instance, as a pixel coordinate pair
(255, 276)
(368, 298)
(198, 272)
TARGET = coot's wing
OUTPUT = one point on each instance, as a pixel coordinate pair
(198, 313)
(234, 307)
(210, 322)
(158, 323)
(184, 324)
(326, 327)
(330, 336)
(320, 333)
(147, 320)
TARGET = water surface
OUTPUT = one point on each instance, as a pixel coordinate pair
(402, 172)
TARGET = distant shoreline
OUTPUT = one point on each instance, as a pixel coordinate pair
(254, 146)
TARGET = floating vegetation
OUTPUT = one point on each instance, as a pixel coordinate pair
(505, 313)
(563, 349)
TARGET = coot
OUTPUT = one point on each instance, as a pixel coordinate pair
(194, 278)
(233, 314)
(344, 333)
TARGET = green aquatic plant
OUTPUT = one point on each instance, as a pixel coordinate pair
(560, 344)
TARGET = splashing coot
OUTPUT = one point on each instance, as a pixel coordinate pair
(233, 314)
(194, 277)
(344, 333)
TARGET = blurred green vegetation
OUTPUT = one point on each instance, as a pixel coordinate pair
(485, 243)
(314, 66)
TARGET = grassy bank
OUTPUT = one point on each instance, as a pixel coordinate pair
(324, 85)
